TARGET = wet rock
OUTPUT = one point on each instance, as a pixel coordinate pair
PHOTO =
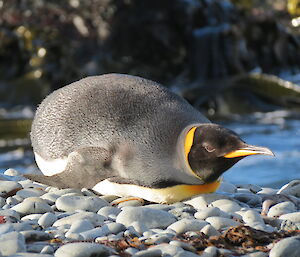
(11, 172)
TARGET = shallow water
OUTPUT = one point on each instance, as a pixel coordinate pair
(281, 135)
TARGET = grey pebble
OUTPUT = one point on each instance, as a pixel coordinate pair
(149, 253)
(76, 202)
(183, 245)
(209, 230)
(2, 201)
(10, 213)
(48, 249)
(281, 208)
(207, 212)
(221, 223)
(227, 187)
(250, 187)
(256, 254)
(226, 205)
(286, 247)
(30, 207)
(202, 201)
(157, 239)
(50, 196)
(30, 192)
(96, 219)
(210, 251)
(36, 247)
(131, 250)
(151, 218)
(106, 229)
(11, 172)
(83, 250)
(251, 216)
(12, 243)
(294, 217)
(108, 211)
(24, 254)
(292, 188)
(79, 226)
(47, 220)
(8, 186)
(184, 225)
(32, 217)
(35, 235)
(267, 191)
(249, 198)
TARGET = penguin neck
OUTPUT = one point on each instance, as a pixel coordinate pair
(186, 141)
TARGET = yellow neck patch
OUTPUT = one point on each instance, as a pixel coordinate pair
(189, 142)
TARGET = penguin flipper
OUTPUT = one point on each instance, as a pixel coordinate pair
(86, 167)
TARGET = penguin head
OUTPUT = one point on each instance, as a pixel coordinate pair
(214, 149)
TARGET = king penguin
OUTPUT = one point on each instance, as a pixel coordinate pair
(128, 136)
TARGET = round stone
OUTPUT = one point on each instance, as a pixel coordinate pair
(151, 218)
(292, 188)
(209, 230)
(286, 247)
(184, 225)
(202, 201)
(12, 243)
(226, 205)
(221, 223)
(31, 207)
(11, 172)
(96, 219)
(30, 192)
(281, 208)
(207, 212)
(75, 202)
(294, 217)
(79, 226)
(83, 250)
(47, 220)
(8, 186)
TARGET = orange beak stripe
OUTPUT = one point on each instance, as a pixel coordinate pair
(251, 150)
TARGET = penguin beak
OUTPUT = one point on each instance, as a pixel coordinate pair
(249, 150)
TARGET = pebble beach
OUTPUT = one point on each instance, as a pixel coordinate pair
(237, 220)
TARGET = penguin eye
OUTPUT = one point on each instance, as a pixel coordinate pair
(208, 148)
